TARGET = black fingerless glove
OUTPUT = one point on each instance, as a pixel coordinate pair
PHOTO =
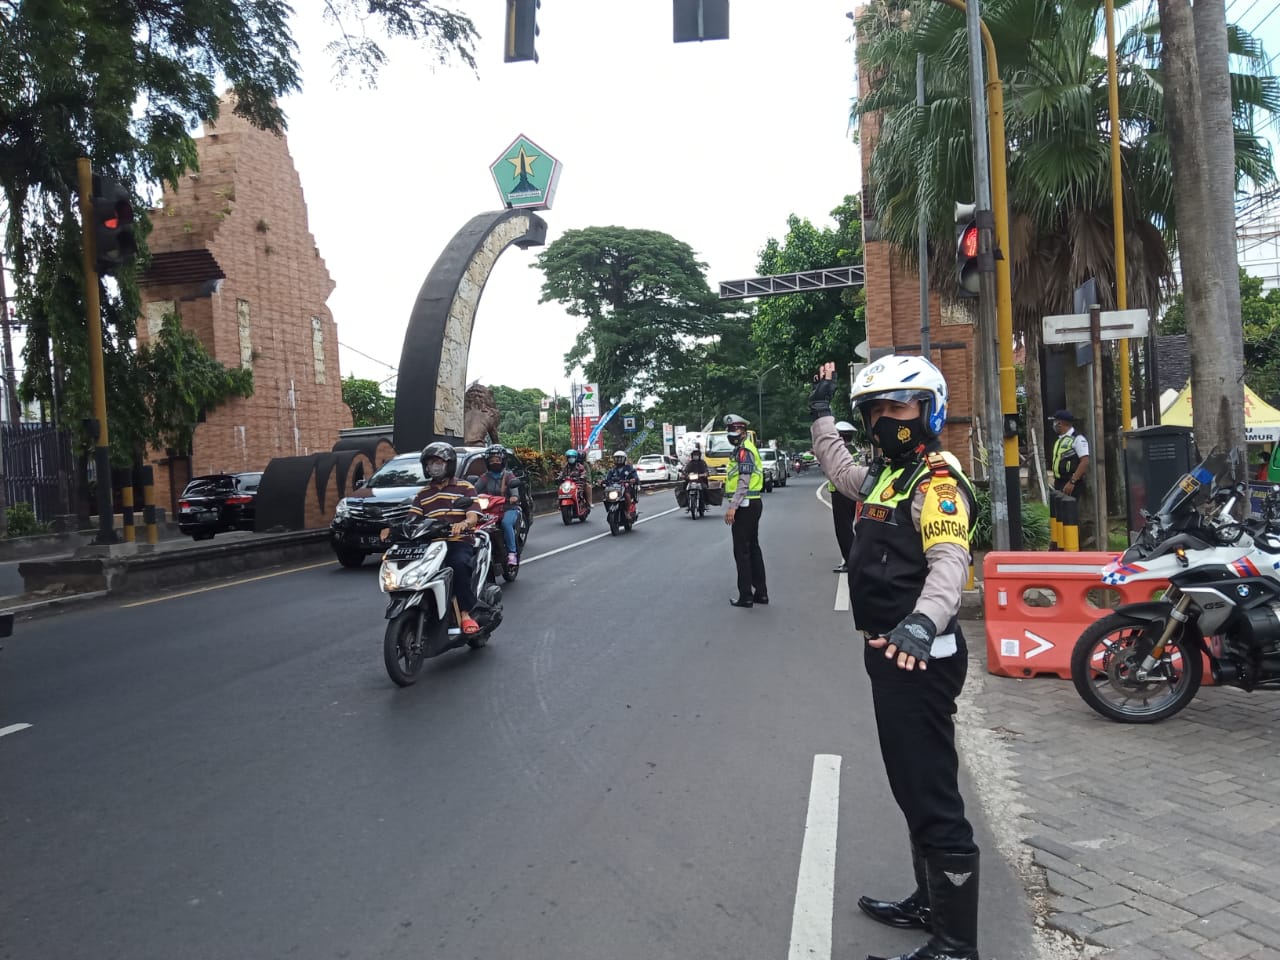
(914, 636)
(820, 398)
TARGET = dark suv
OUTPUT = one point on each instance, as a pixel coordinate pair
(217, 503)
(359, 519)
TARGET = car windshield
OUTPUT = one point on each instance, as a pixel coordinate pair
(718, 444)
(405, 472)
(769, 454)
(208, 486)
(249, 482)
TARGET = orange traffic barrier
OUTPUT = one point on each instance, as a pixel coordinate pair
(1037, 604)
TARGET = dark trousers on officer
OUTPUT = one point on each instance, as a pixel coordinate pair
(915, 719)
(843, 511)
(746, 550)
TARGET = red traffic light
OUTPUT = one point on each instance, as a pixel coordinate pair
(969, 241)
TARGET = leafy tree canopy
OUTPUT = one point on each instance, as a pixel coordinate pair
(369, 406)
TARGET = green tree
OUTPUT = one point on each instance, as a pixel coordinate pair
(644, 296)
(369, 406)
(121, 82)
(804, 330)
(180, 383)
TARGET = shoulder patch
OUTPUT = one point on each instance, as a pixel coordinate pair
(944, 515)
(938, 465)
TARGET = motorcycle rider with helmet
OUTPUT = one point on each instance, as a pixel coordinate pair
(498, 481)
(624, 473)
(697, 465)
(843, 508)
(744, 480)
(574, 469)
(443, 490)
(907, 569)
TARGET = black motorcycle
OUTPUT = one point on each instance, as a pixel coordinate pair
(695, 488)
(620, 507)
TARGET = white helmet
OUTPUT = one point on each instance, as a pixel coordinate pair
(619, 457)
(904, 378)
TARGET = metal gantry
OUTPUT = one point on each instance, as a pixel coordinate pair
(783, 283)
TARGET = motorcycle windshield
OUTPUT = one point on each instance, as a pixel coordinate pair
(1195, 486)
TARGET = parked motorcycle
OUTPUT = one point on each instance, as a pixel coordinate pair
(573, 501)
(495, 507)
(696, 490)
(620, 507)
(421, 613)
(1145, 661)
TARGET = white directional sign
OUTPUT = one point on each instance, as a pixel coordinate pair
(1115, 325)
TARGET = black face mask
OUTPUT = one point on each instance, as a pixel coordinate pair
(897, 438)
(737, 438)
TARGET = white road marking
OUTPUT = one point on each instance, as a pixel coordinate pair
(818, 493)
(816, 884)
(599, 536)
(223, 586)
(842, 592)
(13, 728)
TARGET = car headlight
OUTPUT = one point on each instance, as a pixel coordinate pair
(343, 510)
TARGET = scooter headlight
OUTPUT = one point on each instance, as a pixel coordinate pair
(415, 573)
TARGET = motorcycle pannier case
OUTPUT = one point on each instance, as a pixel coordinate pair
(682, 496)
(715, 494)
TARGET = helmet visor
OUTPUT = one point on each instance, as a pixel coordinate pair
(896, 396)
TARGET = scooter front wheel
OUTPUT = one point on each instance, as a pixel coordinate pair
(402, 648)
(566, 514)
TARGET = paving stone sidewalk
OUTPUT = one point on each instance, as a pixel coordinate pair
(1157, 841)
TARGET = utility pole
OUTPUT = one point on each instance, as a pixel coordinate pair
(922, 225)
(987, 328)
(10, 381)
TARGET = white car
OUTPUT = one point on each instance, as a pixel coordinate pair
(655, 467)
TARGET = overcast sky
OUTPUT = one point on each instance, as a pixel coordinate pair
(714, 143)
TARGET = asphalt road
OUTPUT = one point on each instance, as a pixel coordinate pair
(625, 772)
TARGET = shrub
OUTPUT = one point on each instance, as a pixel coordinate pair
(22, 520)
(1035, 524)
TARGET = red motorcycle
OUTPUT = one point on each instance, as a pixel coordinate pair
(573, 501)
(493, 509)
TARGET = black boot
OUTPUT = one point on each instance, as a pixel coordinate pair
(953, 902)
(911, 912)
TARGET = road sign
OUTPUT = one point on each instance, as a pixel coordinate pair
(1115, 325)
(629, 424)
(648, 424)
(546, 403)
(667, 435)
(542, 416)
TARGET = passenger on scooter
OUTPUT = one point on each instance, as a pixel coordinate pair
(625, 474)
(501, 482)
(443, 490)
(574, 469)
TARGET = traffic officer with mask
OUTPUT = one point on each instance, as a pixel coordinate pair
(744, 482)
(907, 568)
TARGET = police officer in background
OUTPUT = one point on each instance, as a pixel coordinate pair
(1070, 456)
(744, 481)
(907, 568)
(843, 508)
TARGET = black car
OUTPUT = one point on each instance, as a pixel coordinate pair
(359, 519)
(217, 503)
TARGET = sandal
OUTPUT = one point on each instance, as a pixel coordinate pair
(470, 627)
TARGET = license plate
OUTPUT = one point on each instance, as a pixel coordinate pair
(406, 553)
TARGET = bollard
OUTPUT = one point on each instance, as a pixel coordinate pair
(1055, 521)
(1071, 524)
(126, 512)
(149, 504)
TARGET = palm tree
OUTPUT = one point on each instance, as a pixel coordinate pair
(1056, 124)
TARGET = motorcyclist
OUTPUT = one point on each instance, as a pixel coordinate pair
(624, 473)
(443, 490)
(498, 481)
(574, 469)
(697, 465)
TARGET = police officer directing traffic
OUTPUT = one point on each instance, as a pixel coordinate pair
(744, 479)
(907, 568)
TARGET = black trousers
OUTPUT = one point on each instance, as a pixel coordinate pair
(461, 558)
(746, 550)
(842, 511)
(915, 719)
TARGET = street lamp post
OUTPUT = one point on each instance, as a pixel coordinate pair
(760, 400)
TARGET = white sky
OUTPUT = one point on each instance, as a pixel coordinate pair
(714, 143)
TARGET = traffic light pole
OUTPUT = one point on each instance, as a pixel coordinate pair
(97, 380)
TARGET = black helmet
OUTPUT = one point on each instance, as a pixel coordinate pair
(439, 451)
(495, 451)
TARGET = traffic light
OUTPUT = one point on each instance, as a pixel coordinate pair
(114, 242)
(701, 20)
(522, 30)
(966, 250)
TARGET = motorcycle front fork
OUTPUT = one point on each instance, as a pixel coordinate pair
(1177, 618)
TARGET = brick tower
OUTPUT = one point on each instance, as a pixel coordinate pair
(232, 253)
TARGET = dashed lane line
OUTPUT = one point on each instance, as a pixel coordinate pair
(14, 728)
(816, 882)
